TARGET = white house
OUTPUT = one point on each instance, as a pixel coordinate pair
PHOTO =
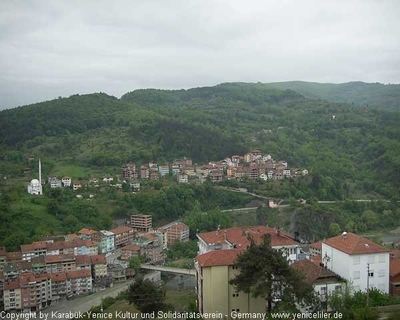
(358, 260)
(66, 181)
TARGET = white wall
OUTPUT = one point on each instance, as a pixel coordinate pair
(354, 268)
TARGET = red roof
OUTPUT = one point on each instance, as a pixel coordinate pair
(72, 236)
(240, 236)
(87, 232)
(225, 257)
(99, 259)
(9, 285)
(120, 230)
(83, 259)
(311, 271)
(79, 274)
(2, 251)
(59, 258)
(316, 245)
(131, 247)
(90, 243)
(58, 245)
(27, 247)
(354, 244)
(62, 276)
(25, 278)
(14, 256)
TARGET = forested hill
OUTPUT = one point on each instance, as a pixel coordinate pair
(363, 94)
(345, 147)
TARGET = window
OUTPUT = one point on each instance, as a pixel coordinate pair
(371, 258)
(338, 288)
(397, 286)
(356, 260)
(356, 274)
(381, 273)
(235, 295)
(234, 267)
(381, 258)
(371, 273)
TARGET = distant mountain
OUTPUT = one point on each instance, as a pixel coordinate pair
(377, 95)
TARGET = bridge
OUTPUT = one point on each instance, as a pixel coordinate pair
(191, 272)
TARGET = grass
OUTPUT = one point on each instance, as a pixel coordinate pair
(75, 171)
(243, 218)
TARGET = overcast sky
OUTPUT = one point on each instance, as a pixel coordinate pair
(59, 48)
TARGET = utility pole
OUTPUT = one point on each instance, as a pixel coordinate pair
(367, 284)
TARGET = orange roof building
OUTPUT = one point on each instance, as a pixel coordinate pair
(358, 260)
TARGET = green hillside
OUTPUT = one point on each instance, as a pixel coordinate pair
(350, 152)
(363, 94)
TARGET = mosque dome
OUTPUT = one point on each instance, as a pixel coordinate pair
(35, 182)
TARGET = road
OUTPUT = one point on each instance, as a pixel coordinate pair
(83, 304)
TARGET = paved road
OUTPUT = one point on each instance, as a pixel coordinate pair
(83, 304)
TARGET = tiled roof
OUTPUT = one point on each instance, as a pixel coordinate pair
(83, 259)
(86, 231)
(311, 271)
(177, 224)
(240, 236)
(79, 274)
(39, 245)
(58, 245)
(90, 243)
(72, 236)
(61, 276)
(354, 244)
(14, 256)
(27, 247)
(120, 230)
(131, 247)
(394, 267)
(2, 251)
(395, 254)
(225, 257)
(26, 278)
(59, 258)
(99, 259)
(9, 285)
(25, 265)
(316, 245)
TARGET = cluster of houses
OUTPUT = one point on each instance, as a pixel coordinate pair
(45, 272)
(252, 165)
(329, 265)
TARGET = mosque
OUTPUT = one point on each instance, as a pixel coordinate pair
(35, 186)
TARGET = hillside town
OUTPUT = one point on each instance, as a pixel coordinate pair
(252, 165)
(46, 272)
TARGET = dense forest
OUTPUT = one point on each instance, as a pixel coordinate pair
(351, 152)
(375, 95)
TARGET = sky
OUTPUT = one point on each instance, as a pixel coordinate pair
(60, 48)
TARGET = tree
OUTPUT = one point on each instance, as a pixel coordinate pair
(265, 272)
(147, 296)
(135, 264)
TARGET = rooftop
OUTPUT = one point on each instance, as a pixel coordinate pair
(225, 257)
(241, 236)
(352, 244)
(119, 230)
(311, 271)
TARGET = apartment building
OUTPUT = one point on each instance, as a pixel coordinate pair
(214, 270)
(129, 251)
(141, 222)
(123, 236)
(214, 266)
(358, 260)
(60, 263)
(79, 282)
(99, 266)
(176, 231)
(106, 240)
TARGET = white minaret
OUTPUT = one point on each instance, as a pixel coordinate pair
(40, 173)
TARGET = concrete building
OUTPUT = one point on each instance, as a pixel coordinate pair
(141, 222)
(358, 260)
(176, 231)
(123, 236)
(214, 270)
(129, 251)
(99, 266)
(106, 240)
